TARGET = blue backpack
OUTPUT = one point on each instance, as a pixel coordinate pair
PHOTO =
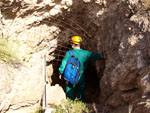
(72, 69)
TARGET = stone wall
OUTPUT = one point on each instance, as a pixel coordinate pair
(119, 28)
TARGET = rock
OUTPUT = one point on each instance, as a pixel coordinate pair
(141, 106)
(118, 28)
(126, 70)
(55, 95)
(121, 109)
(115, 99)
(128, 82)
(24, 88)
(144, 81)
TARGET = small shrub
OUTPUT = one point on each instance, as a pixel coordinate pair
(146, 4)
(8, 51)
(69, 106)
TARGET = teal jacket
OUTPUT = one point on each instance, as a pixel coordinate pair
(83, 56)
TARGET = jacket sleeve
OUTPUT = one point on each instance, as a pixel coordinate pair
(64, 62)
(94, 56)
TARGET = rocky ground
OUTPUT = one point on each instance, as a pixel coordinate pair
(119, 28)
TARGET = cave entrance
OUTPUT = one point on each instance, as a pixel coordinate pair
(92, 80)
(68, 29)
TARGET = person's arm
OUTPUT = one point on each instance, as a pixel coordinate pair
(94, 56)
(63, 64)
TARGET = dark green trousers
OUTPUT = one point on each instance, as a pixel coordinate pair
(76, 90)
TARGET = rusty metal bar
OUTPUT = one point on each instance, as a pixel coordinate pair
(75, 32)
(79, 26)
(57, 55)
(60, 26)
(59, 50)
(56, 50)
(56, 60)
(59, 46)
(75, 24)
(73, 27)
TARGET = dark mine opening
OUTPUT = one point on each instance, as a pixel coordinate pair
(93, 77)
(92, 90)
(92, 84)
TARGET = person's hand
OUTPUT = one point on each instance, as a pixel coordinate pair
(60, 76)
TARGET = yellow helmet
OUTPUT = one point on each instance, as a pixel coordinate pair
(76, 39)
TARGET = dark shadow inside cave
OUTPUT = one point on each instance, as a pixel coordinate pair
(92, 84)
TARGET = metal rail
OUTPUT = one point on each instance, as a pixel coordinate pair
(45, 82)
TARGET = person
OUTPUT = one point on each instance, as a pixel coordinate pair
(85, 57)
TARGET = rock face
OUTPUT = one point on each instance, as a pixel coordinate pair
(126, 43)
(20, 88)
(120, 29)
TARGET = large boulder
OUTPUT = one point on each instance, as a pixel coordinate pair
(55, 95)
(20, 88)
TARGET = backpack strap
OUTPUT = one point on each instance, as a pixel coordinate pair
(71, 53)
